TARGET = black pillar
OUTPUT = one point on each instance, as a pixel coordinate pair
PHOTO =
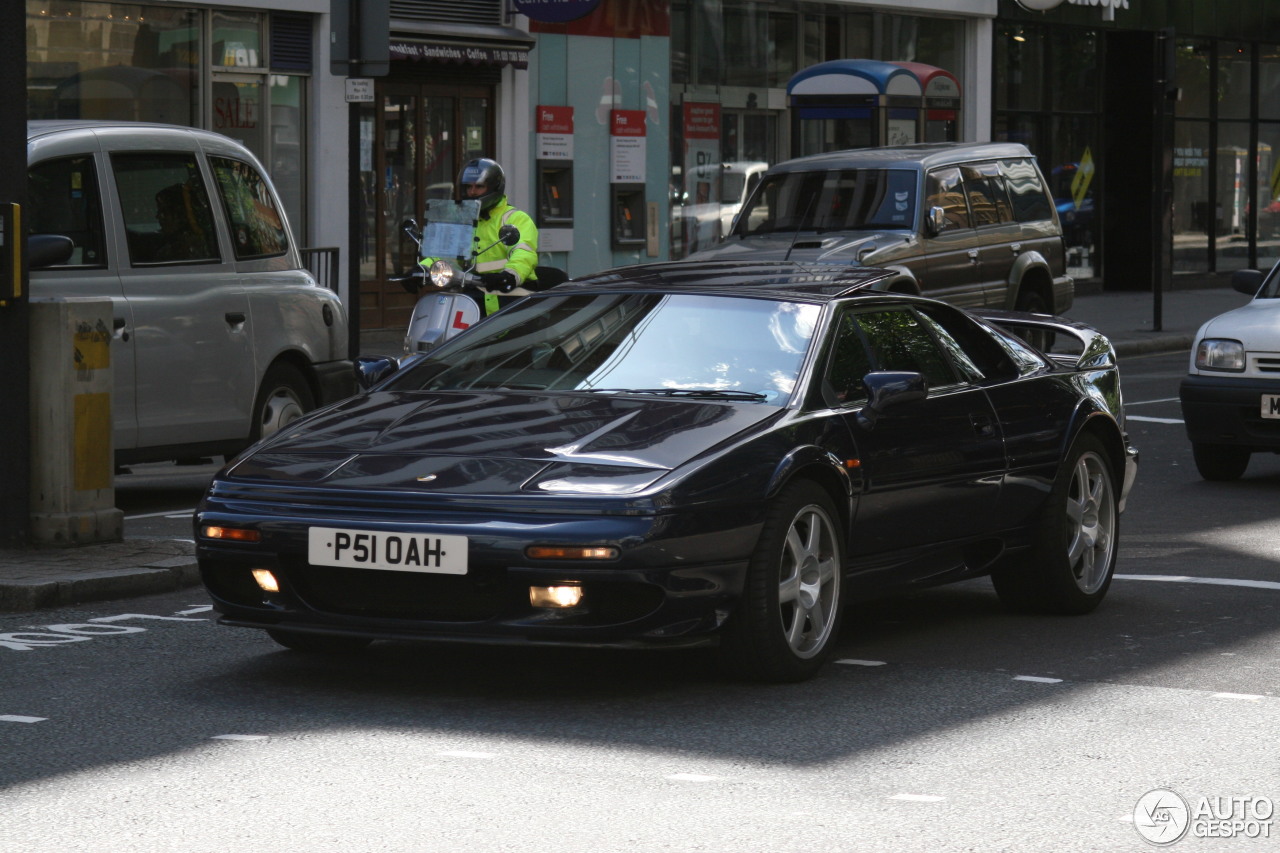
(15, 356)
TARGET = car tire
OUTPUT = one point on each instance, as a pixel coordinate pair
(1069, 566)
(283, 397)
(1220, 462)
(321, 644)
(786, 623)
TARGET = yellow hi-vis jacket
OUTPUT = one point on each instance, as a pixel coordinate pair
(520, 259)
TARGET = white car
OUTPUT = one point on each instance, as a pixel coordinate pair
(221, 336)
(1231, 395)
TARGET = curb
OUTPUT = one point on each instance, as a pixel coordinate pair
(48, 589)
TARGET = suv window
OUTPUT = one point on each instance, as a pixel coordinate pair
(64, 200)
(1026, 192)
(165, 208)
(944, 189)
(257, 229)
(837, 200)
(988, 201)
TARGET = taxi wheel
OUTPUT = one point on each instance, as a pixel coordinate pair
(1069, 566)
(1220, 462)
(283, 397)
(789, 615)
(321, 644)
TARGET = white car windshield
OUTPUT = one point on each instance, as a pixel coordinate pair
(676, 345)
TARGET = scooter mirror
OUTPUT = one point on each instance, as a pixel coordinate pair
(509, 235)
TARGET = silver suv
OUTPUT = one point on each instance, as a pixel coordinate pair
(969, 223)
(220, 335)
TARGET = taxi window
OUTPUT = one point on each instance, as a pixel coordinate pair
(165, 209)
(64, 199)
(257, 227)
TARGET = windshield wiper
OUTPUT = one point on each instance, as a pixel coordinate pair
(703, 393)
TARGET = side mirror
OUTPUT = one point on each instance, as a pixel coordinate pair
(48, 250)
(887, 389)
(509, 235)
(935, 221)
(370, 370)
(1247, 282)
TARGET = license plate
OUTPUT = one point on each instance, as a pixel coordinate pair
(389, 551)
(1271, 405)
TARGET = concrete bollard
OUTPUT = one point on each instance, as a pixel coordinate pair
(72, 451)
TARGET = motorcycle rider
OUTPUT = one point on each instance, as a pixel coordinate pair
(501, 268)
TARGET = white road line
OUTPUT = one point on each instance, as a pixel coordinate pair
(239, 737)
(18, 718)
(168, 513)
(1248, 697)
(853, 662)
(196, 608)
(1210, 581)
(917, 798)
(692, 777)
(1039, 679)
(1128, 403)
(1154, 420)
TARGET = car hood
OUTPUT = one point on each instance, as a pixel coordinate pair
(497, 442)
(1252, 324)
(873, 248)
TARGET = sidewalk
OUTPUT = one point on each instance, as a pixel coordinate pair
(53, 577)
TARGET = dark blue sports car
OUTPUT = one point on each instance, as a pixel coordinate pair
(680, 455)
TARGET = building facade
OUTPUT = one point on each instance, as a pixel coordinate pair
(629, 129)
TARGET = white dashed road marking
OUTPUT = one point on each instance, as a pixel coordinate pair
(1210, 581)
(853, 662)
(1039, 679)
(18, 718)
(239, 737)
(1154, 420)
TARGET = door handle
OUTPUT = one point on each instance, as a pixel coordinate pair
(235, 318)
(973, 256)
(1016, 247)
(118, 325)
(982, 425)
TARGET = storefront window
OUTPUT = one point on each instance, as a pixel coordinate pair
(1019, 53)
(1192, 213)
(287, 145)
(1074, 64)
(238, 110)
(1269, 82)
(237, 39)
(112, 61)
(1268, 194)
(1191, 75)
(1235, 91)
(1234, 198)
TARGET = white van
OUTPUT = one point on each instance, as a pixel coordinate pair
(220, 335)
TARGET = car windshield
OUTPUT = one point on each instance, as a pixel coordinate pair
(687, 345)
(836, 200)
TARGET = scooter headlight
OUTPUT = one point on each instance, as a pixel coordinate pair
(443, 273)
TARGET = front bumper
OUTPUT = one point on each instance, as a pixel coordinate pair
(661, 592)
(1227, 410)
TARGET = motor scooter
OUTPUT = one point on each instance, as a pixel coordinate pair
(451, 298)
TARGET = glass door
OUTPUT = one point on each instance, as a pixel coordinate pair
(422, 134)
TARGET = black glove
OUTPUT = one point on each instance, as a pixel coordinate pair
(503, 282)
(411, 283)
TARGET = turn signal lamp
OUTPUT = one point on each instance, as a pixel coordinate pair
(235, 534)
(266, 580)
(556, 597)
(558, 552)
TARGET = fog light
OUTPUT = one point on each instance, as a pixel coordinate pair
(555, 596)
(562, 552)
(266, 580)
(237, 534)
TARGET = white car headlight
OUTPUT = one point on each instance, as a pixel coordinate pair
(1220, 354)
(443, 273)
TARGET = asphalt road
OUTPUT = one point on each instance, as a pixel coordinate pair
(946, 724)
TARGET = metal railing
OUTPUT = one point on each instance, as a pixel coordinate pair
(323, 264)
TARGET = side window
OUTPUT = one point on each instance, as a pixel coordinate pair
(1026, 192)
(943, 188)
(64, 199)
(849, 363)
(988, 201)
(257, 227)
(899, 341)
(165, 209)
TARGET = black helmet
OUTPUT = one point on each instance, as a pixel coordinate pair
(487, 172)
